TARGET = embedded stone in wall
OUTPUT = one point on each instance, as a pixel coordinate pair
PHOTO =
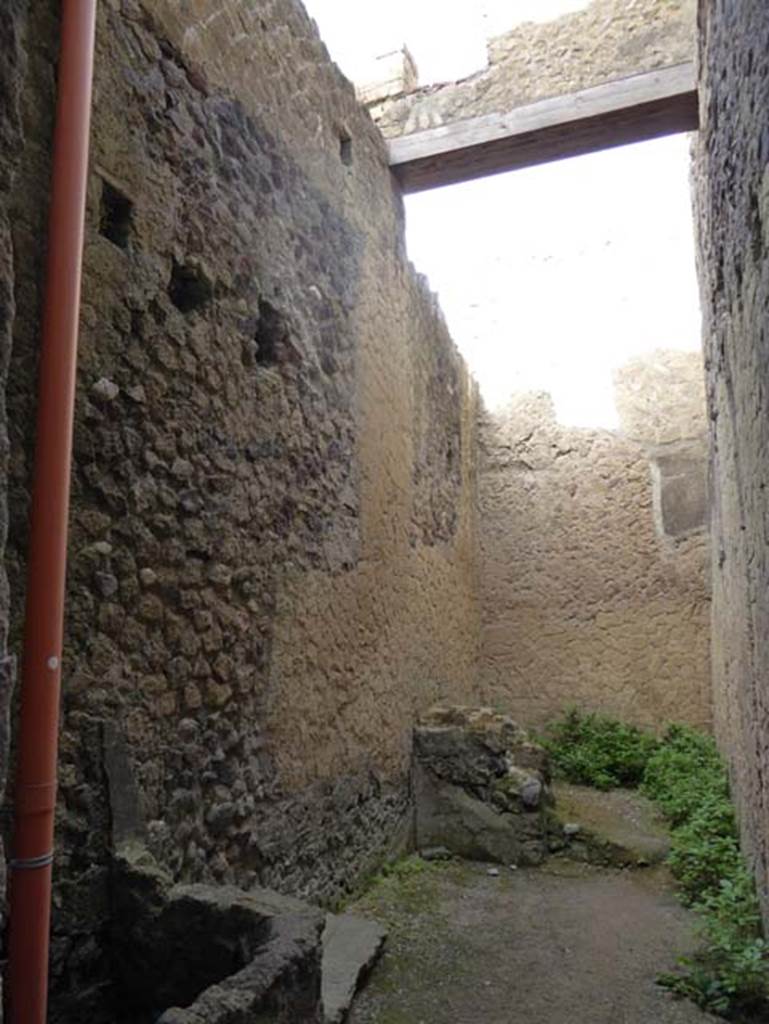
(481, 787)
(680, 493)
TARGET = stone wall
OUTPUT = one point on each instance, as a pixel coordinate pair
(733, 207)
(12, 27)
(594, 553)
(273, 549)
(609, 39)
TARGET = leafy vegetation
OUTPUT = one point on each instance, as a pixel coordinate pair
(729, 975)
(684, 774)
(595, 751)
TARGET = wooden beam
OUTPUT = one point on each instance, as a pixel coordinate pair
(644, 106)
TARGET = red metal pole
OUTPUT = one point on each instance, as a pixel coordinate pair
(30, 887)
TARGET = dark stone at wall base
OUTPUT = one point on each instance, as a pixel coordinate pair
(481, 787)
(471, 828)
(200, 954)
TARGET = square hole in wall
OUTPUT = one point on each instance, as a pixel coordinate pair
(190, 288)
(345, 149)
(270, 335)
(115, 215)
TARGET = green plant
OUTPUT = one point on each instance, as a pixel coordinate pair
(409, 883)
(684, 774)
(597, 751)
(405, 868)
(729, 974)
(699, 864)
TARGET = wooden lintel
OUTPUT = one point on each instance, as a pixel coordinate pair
(645, 106)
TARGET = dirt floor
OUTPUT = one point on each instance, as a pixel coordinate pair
(563, 944)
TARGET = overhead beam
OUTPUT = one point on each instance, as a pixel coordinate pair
(645, 106)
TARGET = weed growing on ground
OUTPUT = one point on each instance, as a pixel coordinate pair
(592, 750)
(729, 975)
(406, 868)
(684, 774)
(410, 884)
(688, 780)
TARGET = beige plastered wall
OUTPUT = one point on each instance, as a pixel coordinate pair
(594, 553)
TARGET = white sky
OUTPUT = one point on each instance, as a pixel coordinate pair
(550, 277)
(447, 38)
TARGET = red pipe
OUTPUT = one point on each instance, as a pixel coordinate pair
(30, 888)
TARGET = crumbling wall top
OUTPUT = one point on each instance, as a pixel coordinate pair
(609, 39)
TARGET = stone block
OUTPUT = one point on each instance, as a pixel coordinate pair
(216, 954)
(481, 787)
(680, 493)
(351, 946)
(450, 817)
(391, 74)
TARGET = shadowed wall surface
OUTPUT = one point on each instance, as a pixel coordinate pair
(733, 207)
(12, 28)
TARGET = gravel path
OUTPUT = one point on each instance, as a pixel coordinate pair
(563, 944)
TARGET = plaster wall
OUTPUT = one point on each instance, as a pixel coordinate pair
(733, 215)
(594, 553)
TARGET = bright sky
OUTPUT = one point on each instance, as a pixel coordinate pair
(447, 38)
(550, 277)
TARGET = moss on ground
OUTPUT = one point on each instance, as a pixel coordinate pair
(410, 886)
(408, 897)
